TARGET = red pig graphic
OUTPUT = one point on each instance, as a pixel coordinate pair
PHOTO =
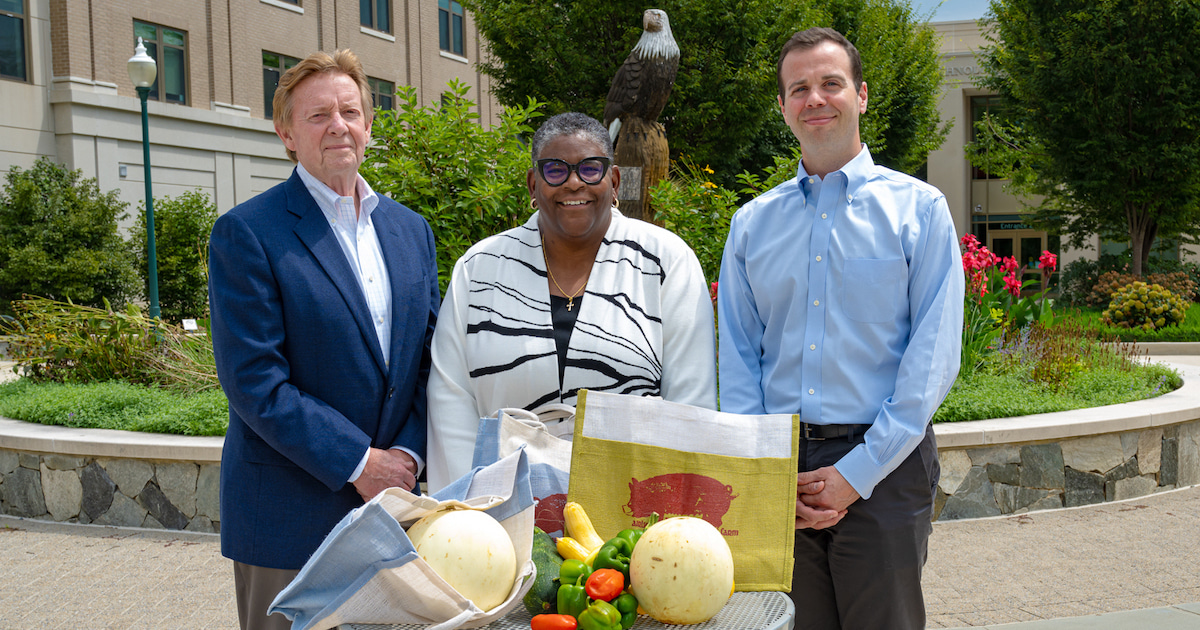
(680, 494)
(548, 515)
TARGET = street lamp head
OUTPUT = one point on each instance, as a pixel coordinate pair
(142, 69)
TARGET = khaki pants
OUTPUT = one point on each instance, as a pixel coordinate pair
(256, 588)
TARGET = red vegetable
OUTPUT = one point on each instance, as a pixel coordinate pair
(553, 622)
(605, 584)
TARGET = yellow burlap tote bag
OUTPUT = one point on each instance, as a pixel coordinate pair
(632, 456)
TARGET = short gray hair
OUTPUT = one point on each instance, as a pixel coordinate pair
(569, 124)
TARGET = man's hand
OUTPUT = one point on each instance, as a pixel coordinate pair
(392, 468)
(835, 494)
(808, 516)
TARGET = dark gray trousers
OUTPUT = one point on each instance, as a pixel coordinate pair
(256, 588)
(865, 572)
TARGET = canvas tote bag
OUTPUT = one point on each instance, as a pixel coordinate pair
(367, 570)
(545, 436)
(635, 455)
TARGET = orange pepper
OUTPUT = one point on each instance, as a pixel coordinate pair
(605, 584)
(553, 622)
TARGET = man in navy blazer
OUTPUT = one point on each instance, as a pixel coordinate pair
(324, 297)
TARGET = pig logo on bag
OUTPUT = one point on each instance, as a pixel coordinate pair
(681, 494)
(548, 515)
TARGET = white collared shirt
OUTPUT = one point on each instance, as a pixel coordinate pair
(356, 234)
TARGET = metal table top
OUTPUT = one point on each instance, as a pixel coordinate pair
(760, 610)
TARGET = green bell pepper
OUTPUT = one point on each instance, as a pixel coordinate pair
(614, 555)
(634, 533)
(601, 615)
(572, 599)
(573, 572)
(627, 605)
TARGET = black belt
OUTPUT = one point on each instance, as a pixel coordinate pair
(831, 431)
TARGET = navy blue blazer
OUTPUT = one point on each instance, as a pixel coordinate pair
(309, 387)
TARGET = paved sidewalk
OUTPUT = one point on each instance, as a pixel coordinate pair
(1141, 555)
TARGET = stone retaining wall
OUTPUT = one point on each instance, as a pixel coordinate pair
(110, 491)
(1016, 478)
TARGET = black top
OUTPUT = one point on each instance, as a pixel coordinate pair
(564, 323)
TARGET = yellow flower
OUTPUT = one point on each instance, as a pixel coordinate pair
(708, 184)
(997, 315)
(707, 170)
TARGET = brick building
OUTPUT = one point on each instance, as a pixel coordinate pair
(65, 91)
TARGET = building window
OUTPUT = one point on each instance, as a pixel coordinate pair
(376, 14)
(383, 93)
(450, 26)
(171, 85)
(980, 105)
(12, 40)
(274, 65)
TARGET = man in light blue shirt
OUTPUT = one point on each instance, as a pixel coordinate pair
(841, 299)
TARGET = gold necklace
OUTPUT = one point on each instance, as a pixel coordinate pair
(570, 298)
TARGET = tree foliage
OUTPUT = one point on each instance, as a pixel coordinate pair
(1101, 116)
(59, 238)
(723, 110)
(182, 226)
(467, 181)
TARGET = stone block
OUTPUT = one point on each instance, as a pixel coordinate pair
(1052, 501)
(1042, 466)
(1004, 473)
(9, 461)
(201, 524)
(1131, 487)
(975, 498)
(1149, 450)
(1168, 471)
(130, 475)
(1004, 454)
(157, 505)
(63, 493)
(1083, 488)
(1124, 471)
(208, 492)
(955, 466)
(30, 460)
(1096, 453)
(1189, 454)
(97, 491)
(1129, 444)
(939, 502)
(124, 512)
(177, 480)
(152, 523)
(55, 461)
(23, 493)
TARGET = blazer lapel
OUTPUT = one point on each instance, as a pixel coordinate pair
(314, 231)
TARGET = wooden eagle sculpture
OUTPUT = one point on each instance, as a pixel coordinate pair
(638, 94)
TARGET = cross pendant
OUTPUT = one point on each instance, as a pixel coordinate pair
(570, 303)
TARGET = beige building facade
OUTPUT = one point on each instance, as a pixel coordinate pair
(66, 92)
(981, 204)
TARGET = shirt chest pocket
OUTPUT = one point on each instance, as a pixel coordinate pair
(874, 290)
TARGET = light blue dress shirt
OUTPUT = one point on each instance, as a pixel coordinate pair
(355, 232)
(841, 299)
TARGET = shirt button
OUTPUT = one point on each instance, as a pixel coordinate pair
(810, 180)
(818, 259)
(816, 302)
(849, 197)
(812, 346)
(811, 391)
(823, 215)
(370, 278)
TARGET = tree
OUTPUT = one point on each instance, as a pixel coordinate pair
(182, 226)
(1101, 116)
(59, 239)
(723, 110)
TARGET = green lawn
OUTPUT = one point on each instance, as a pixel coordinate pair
(115, 405)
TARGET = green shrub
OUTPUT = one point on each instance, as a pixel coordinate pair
(59, 239)
(182, 226)
(115, 405)
(1177, 282)
(467, 181)
(689, 204)
(1077, 280)
(1147, 306)
(69, 343)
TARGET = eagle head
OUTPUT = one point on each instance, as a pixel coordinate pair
(656, 41)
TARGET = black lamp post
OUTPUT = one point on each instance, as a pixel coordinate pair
(143, 72)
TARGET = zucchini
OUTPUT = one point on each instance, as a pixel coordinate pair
(543, 597)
